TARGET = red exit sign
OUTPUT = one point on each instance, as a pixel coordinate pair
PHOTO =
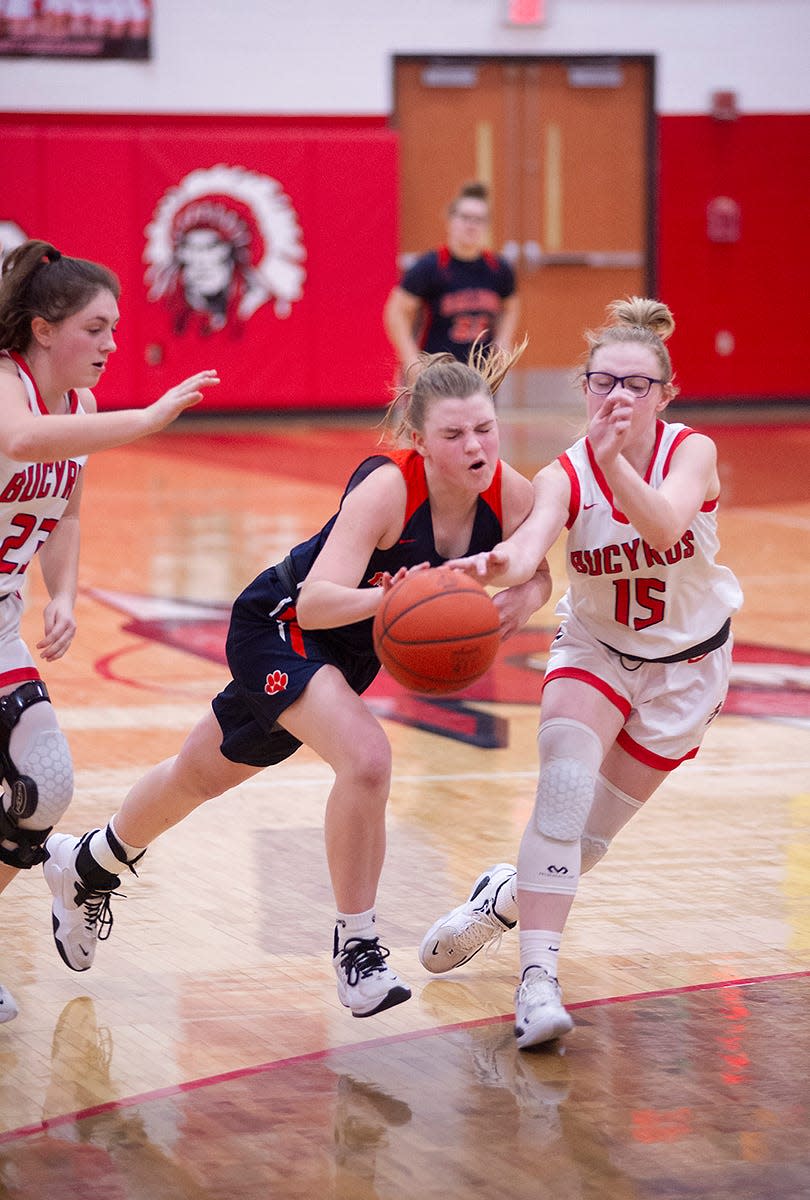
(525, 12)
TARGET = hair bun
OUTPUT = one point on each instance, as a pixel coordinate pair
(644, 313)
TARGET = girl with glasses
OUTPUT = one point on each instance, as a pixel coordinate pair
(640, 664)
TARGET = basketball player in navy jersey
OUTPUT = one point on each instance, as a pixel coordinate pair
(58, 317)
(640, 665)
(301, 654)
(456, 295)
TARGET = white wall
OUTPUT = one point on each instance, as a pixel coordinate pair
(334, 56)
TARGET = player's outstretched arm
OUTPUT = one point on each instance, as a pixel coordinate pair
(517, 559)
(26, 438)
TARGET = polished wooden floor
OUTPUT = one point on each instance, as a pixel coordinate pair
(206, 1054)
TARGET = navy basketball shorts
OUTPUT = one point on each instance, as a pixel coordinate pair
(272, 660)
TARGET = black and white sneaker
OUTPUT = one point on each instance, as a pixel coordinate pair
(81, 902)
(461, 933)
(364, 983)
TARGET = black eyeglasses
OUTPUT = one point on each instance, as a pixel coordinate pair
(602, 384)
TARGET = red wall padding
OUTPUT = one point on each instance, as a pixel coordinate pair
(92, 188)
(754, 289)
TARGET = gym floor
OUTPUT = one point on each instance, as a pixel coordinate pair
(206, 1054)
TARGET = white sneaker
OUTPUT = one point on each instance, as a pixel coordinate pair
(365, 984)
(539, 1014)
(81, 902)
(8, 1005)
(460, 934)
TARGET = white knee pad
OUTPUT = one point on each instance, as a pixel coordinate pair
(37, 773)
(546, 865)
(46, 758)
(549, 858)
(611, 809)
(591, 850)
(570, 756)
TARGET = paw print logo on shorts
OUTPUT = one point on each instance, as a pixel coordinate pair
(276, 682)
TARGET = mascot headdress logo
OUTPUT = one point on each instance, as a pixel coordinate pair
(222, 243)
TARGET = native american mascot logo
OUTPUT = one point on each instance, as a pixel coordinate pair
(222, 243)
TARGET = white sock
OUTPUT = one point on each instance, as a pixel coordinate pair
(354, 925)
(103, 853)
(539, 948)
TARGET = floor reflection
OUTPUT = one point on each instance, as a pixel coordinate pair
(700, 1093)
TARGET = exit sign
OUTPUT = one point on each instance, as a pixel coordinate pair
(525, 12)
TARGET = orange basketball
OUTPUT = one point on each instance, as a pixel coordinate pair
(436, 631)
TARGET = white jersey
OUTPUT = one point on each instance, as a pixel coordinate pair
(642, 602)
(33, 496)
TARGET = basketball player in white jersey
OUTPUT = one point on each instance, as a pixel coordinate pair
(57, 323)
(640, 664)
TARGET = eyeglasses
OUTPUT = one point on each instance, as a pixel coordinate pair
(471, 218)
(602, 384)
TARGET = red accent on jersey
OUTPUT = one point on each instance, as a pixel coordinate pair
(682, 436)
(412, 466)
(657, 761)
(594, 681)
(17, 676)
(576, 495)
(604, 486)
(72, 396)
(287, 617)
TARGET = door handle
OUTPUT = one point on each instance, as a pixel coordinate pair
(582, 258)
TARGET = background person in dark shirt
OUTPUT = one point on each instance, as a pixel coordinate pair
(457, 293)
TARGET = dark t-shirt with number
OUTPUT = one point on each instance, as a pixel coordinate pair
(463, 299)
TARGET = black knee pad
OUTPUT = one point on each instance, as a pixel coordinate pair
(20, 846)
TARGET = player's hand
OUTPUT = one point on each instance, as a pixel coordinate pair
(388, 581)
(609, 426)
(485, 567)
(60, 629)
(181, 397)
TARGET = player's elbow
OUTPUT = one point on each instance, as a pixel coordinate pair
(22, 445)
(663, 537)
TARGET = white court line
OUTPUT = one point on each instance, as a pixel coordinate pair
(85, 777)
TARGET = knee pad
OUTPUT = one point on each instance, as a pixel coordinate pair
(591, 850)
(570, 757)
(611, 809)
(547, 865)
(36, 764)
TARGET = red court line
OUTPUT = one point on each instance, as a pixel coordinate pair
(193, 1085)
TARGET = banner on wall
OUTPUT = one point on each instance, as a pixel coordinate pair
(79, 29)
(221, 244)
(267, 254)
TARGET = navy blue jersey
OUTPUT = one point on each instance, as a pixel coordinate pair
(272, 659)
(463, 299)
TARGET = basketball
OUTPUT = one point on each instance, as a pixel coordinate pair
(436, 631)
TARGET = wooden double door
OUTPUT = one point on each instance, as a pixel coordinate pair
(568, 150)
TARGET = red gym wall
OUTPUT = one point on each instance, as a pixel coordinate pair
(753, 287)
(93, 186)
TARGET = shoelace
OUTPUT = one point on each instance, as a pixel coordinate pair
(97, 911)
(537, 989)
(470, 937)
(361, 957)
